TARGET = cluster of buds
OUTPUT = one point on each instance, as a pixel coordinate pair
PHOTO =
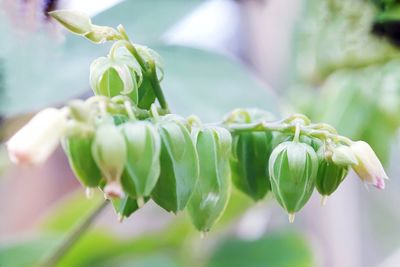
(181, 163)
(294, 156)
(120, 142)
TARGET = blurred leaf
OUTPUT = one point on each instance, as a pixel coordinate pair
(145, 21)
(152, 260)
(210, 85)
(275, 250)
(39, 71)
(66, 213)
(27, 252)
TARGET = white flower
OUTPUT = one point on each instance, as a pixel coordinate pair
(368, 167)
(35, 142)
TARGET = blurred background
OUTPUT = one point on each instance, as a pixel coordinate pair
(338, 61)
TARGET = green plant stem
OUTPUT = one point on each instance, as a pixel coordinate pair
(157, 87)
(287, 128)
(149, 69)
(73, 237)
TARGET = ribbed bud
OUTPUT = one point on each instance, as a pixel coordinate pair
(329, 174)
(114, 75)
(249, 163)
(211, 195)
(109, 153)
(179, 165)
(293, 168)
(142, 167)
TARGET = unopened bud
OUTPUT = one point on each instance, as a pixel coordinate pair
(35, 142)
(293, 168)
(329, 174)
(142, 167)
(112, 76)
(368, 167)
(109, 153)
(75, 21)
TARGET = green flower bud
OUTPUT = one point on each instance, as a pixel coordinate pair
(116, 74)
(329, 175)
(249, 163)
(109, 153)
(293, 168)
(179, 166)
(212, 191)
(142, 167)
(79, 152)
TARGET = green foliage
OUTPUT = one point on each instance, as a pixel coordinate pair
(56, 72)
(348, 75)
(275, 250)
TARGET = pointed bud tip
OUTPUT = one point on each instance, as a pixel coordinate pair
(140, 202)
(291, 217)
(324, 199)
(203, 234)
(89, 192)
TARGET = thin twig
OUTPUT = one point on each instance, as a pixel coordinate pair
(73, 237)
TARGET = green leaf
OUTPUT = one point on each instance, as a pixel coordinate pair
(146, 21)
(27, 252)
(274, 250)
(40, 71)
(210, 85)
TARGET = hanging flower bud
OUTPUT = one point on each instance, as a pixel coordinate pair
(142, 167)
(249, 163)
(329, 175)
(78, 149)
(116, 74)
(179, 166)
(368, 167)
(211, 195)
(109, 153)
(35, 142)
(250, 153)
(293, 168)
